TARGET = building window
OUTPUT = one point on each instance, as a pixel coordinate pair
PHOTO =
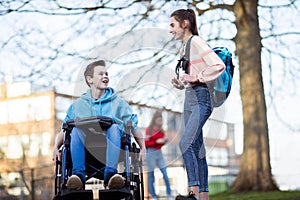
(25, 109)
(39, 144)
(33, 145)
(61, 106)
(39, 108)
(3, 113)
(217, 157)
(14, 147)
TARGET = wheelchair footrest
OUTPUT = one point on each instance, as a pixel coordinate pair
(114, 194)
(77, 195)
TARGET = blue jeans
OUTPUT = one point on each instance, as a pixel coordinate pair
(113, 136)
(197, 109)
(154, 157)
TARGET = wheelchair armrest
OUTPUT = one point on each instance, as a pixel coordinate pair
(104, 122)
(126, 138)
(129, 128)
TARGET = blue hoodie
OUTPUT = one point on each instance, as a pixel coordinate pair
(110, 105)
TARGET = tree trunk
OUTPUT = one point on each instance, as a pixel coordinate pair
(255, 171)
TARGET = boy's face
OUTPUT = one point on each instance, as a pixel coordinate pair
(100, 78)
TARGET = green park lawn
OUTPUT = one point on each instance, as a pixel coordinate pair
(276, 195)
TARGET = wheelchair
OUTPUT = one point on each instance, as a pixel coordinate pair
(95, 157)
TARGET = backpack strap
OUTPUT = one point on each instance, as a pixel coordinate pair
(188, 48)
(187, 53)
(182, 62)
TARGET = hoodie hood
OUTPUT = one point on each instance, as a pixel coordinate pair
(87, 106)
(109, 95)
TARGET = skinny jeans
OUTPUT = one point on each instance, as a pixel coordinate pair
(155, 158)
(197, 109)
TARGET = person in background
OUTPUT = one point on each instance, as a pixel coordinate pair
(98, 100)
(204, 66)
(155, 138)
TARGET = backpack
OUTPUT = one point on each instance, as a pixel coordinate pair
(221, 86)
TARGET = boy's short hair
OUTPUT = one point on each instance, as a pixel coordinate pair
(89, 71)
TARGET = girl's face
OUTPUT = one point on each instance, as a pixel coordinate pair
(158, 121)
(175, 29)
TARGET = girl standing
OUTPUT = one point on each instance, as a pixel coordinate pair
(155, 139)
(204, 66)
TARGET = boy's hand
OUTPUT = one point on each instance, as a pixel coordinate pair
(55, 155)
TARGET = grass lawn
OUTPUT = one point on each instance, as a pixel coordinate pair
(277, 195)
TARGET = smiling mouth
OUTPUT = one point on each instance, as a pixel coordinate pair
(105, 81)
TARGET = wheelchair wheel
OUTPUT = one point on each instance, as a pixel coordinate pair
(58, 179)
(136, 182)
(62, 170)
(138, 192)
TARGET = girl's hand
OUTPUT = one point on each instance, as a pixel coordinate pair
(177, 84)
(160, 141)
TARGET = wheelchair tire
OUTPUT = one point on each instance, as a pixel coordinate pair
(58, 179)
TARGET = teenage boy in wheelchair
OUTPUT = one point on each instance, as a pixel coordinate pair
(99, 100)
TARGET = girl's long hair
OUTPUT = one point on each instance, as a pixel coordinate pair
(157, 114)
(187, 14)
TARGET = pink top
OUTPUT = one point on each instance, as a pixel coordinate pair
(205, 65)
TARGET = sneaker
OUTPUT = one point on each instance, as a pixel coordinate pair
(190, 196)
(116, 182)
(74, 183)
